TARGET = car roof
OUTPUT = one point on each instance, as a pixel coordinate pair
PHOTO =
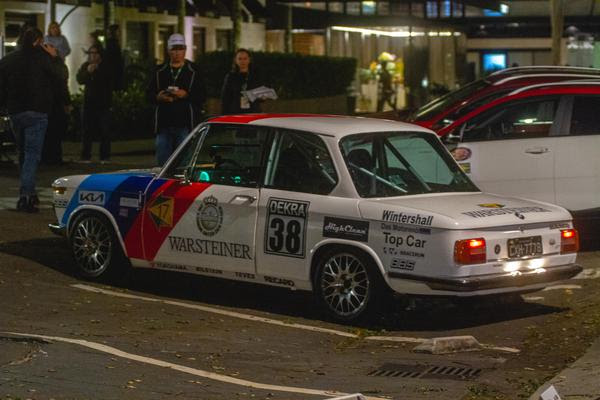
(331, 125)
(542, 69)
(558, 88)
(561, 84)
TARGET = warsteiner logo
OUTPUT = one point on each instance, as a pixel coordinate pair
(209, 216)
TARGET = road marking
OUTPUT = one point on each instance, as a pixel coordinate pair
(588, 273)
(249, 317)
(188, 370)
(558, 287)
(534, 298)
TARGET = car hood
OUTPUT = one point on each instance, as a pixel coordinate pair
(103, 178)
(461, 211)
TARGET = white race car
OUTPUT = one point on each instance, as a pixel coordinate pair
(346, 207)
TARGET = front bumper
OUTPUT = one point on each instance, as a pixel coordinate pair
(58, 229)
(495, 281)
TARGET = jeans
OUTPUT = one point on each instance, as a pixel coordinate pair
(30, 129)
(95, 127)
(167, 140)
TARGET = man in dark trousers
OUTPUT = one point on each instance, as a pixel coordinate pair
(177, 90)
(30, 83)
(96, 76)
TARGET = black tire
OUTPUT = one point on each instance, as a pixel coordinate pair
(347, 285)
(95, 246)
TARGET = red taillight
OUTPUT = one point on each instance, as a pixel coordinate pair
(461, 153)
(470, 251)
(569, 241)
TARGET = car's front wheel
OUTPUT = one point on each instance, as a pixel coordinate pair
(95, 246)
(346, 284)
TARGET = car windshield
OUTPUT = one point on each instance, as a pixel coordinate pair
(388, 164)
(438, 105)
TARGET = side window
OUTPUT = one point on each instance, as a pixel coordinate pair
(230, 155)
(300, 162)
(184, 158)
(520, 120)
(584, 120)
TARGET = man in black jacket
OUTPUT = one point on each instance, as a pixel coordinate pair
(30, 83)
(96, 76)
(177, 90)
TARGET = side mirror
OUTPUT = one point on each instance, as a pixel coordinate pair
(452, 138)
(186, 177)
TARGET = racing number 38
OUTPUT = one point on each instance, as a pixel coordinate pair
(286, 227)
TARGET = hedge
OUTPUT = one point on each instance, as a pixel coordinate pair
(293, 76)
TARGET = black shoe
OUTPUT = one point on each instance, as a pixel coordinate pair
(26, 204)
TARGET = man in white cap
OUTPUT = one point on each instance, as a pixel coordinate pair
(177, 90)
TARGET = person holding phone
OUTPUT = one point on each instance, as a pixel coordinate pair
(95, 75)
(178, 93)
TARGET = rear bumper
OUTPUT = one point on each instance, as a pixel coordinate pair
(495, 281)
(58, 229)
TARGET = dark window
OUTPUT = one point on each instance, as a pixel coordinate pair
(519, 120)
(164, 31)
(584, 120)
(199, 41)
(137, 45)
(300, 162)
(230, 155)
(224, 39)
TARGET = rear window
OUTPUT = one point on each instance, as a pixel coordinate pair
(438, 105)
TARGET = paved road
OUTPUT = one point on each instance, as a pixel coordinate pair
(160, 334)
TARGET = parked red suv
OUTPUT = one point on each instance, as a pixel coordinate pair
(541, 142)
(447, 109)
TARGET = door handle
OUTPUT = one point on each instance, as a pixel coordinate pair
(243, 198)
(537, 150)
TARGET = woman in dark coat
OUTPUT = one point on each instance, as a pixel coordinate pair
(241, 78)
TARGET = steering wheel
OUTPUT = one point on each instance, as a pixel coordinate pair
(230, 161)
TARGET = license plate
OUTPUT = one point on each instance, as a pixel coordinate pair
(525, 247)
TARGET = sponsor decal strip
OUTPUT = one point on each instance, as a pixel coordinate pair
(503, 211)
(182, 368)
(160, 215)
(349, 229)
(249, 317)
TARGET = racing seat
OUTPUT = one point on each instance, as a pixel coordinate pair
(360, 158)
(292, 171)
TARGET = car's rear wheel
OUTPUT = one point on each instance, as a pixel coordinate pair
(95, 246)
(346, 284)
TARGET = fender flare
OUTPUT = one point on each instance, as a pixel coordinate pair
(111, 218)
(351, 243)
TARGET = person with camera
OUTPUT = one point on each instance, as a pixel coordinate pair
(30, 84)
(177, 91)
(95, 75)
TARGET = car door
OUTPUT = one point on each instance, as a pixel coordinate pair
(202, 218)
(295, 205)
(507, 149)
(577, 156)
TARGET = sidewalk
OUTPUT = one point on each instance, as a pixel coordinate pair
(580, 381)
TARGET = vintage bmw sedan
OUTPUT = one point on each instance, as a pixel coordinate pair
(346, 207)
